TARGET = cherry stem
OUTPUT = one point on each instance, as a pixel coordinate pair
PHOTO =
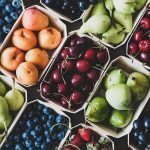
(136, 55)
(146, 33)
(99, 69)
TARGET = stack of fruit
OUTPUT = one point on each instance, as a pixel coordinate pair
(11, 101)
(116, 104)
(9, 13)
(73, 9)
(74, 73)
(140, 134)
(139, 44)
(82, 137)
(111, 20)
(28, 56)
(39, 127)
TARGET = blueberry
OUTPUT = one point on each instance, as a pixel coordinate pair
(136, 134)
(38, 128)
(51, 118)
(48, 139)
(43, 146)
(93, 1)
(25, 135)
(9, 8)
(44, 118)
(28, 143)
(59, 119)
(137, 124)
(47, 1)
(1, 22)
(17, 138)
(47, 133)
(7, 28)
(83, 5)
(8, 19)
(3, 12)
(142, 138)
(8, 145)
(46, 111)
(36, 120)
(30, 124)
(34, 133)
(17, 3)
(147, 123)
(60, 135)
(49, 123)
(18, 11)
(37, 144)
(2, 3)
(39, 138)
(18, 147)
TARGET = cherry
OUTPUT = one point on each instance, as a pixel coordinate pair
(83, 42)
(144, 45)
(68, 65)
(46, 90)
(102, 56)
(64, 53)
(148, 6)
(148, 35)
(133, 49)
(76, 98)
(89, 54)
(82, 65)
(73, 52)
(87, 88)
(73, 41)
(76, 80)
(56, 76)
(145, 57)
(93, 75)
(59, 66)
(145, 23)
(148, 13)
(138, 36)
(64, 102)
(61, 88)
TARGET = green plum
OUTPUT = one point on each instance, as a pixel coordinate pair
(3, 88)
(139, 85)
(120, 118)
(15, 99)
(114, 76)
(119, 96)
(98, 110)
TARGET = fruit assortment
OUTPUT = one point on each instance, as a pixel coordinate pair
(118, 96)
(74, 73)
(113, 19)
(83, 137)
(39, 127)
(31, 43)
(11, 101)
(139, 44)
(141, 132)
(10, 10)
(72, 9)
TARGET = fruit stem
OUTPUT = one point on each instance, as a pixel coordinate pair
(13, 85)
(5, 132)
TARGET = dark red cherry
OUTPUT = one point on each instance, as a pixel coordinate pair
(145, 57)
(68, 65)
(93, 75)
(46, 89)
(133, 49)
(73, 41)
(138, 36)
(76, 80)
(59, 66)
(144, 45)
(76, 98)
(64, 102)
(82, 65)
(64, 53)
(102, 56)
(87, 88)
(145, 23)
(89, 54)
(61, 87)
(73, 52)
(56, 76)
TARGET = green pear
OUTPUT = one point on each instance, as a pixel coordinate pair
(124, 19)
(96, 24)
(140, 4)
(98, 110)
(115, 35)
(7, 121)
(99, 9)
(3, 88)
(139, 85)
(15, 99)
(119, 97)
(109, 5)
(115, 76)
(120, 118)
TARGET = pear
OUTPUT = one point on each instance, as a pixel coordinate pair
(115, 35)
(96, 24)
(140, 4)
(139, 85)
(3, 88)
(124, 19)
(115, 76)
(98, 110)
(120, 118)
(119, 97)
(110, 6)
(99, 9)
(15, 99)
(7, 121)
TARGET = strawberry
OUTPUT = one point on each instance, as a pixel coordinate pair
(77, 141)
(85, 134)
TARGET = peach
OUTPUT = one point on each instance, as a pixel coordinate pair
(11, 58)
(34, 19)
(49, 38)
(38, 57)
(24, 39)
(27, 73)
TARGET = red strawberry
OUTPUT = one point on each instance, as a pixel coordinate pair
(77, 141)
(85, 134)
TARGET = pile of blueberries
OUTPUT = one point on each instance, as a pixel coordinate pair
(9, 13)
(40, 127)
(70, 8)
(141, 132)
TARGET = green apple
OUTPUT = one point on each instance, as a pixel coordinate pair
(3, 88)
(15, 99)
(119, 97)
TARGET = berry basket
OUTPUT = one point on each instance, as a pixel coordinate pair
(45, 127)
(56, 23)
(9, 13)
(9, 85)
(80, 74)
(128, 66)
(136, 55)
